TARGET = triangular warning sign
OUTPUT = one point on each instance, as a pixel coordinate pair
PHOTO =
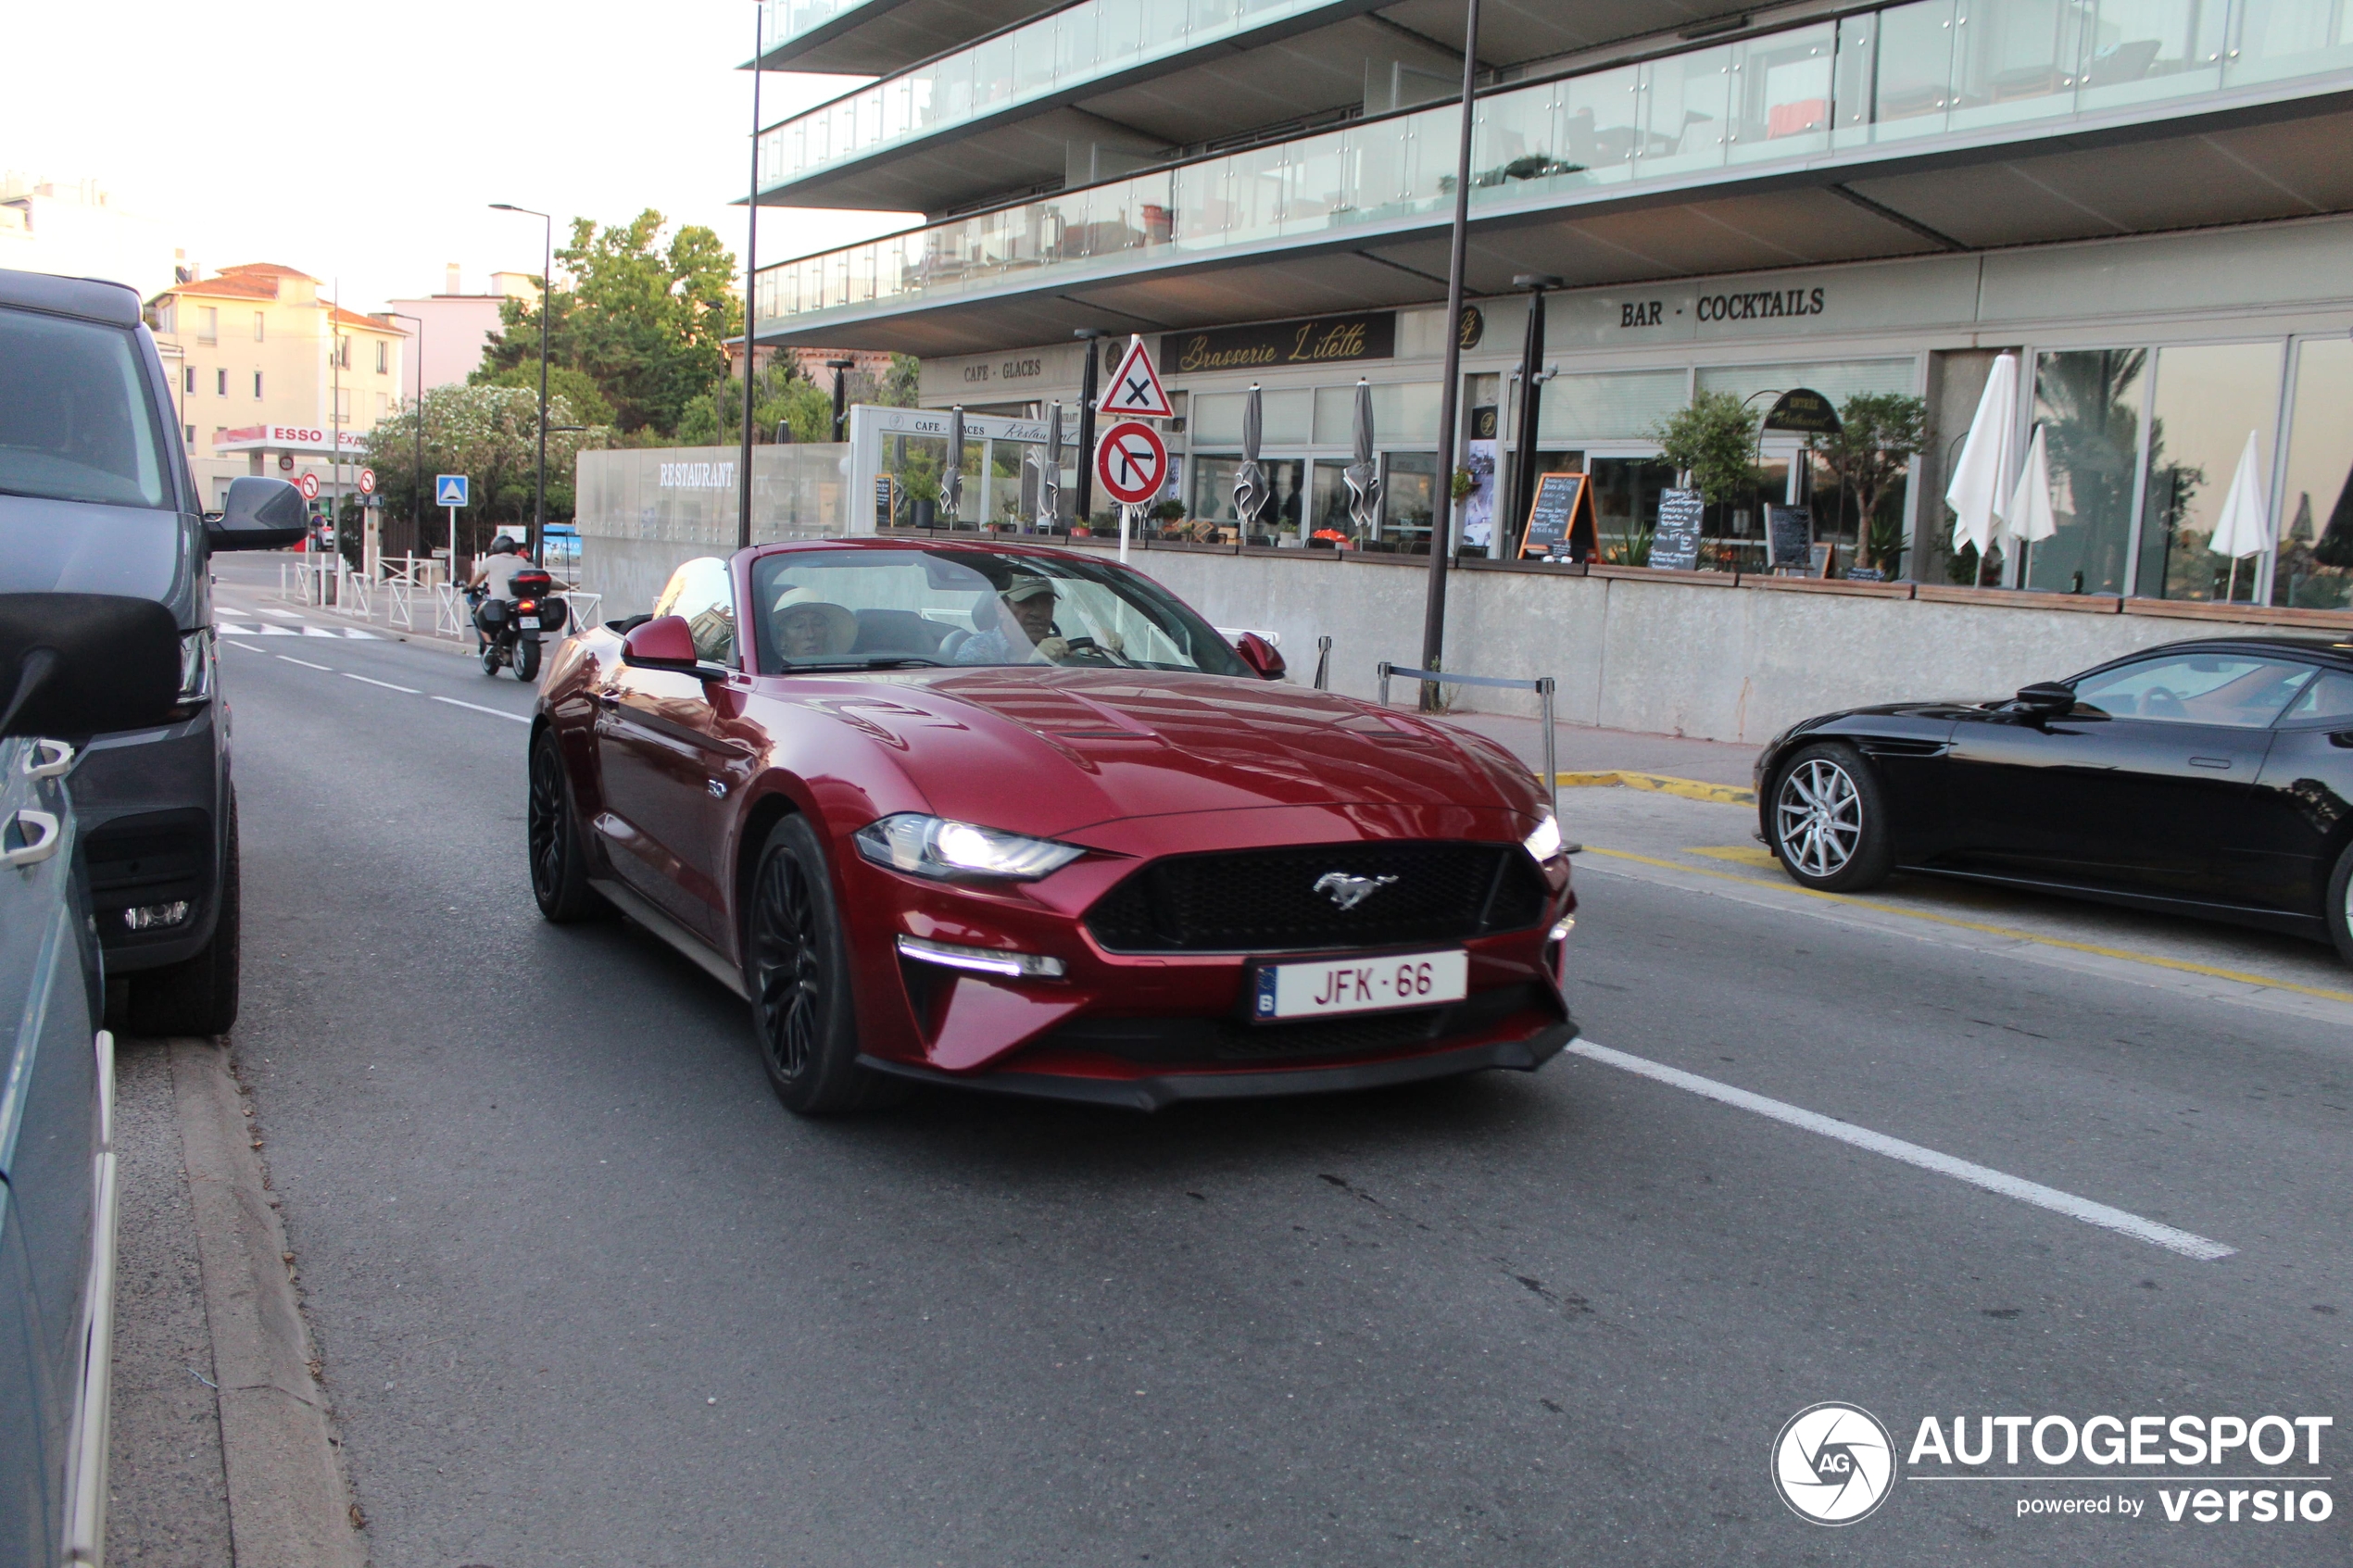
(1135, 387)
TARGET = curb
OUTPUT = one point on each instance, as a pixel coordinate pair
(1661, 783)
(289, 1504)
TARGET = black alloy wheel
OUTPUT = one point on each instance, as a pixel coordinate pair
(797, 971)
(2338, 909)
(559, 869)
(1830, 821)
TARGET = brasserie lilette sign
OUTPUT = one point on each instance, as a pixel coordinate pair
(1324, 340)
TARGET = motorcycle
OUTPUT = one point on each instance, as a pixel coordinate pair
(511, 628)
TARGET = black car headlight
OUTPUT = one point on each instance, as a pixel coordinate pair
(196, 667)
(939, 847)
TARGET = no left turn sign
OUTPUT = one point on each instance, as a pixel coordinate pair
(367, 482)
(1131, 461)
(308, 485)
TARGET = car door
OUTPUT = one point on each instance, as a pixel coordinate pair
(2305, 796)
(2146, 784)
(665, 767)
(49, 1139)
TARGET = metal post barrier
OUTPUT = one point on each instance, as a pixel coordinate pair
(449, 609)
(584, 608)
(1542, 687)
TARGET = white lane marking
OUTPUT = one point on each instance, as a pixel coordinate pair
(281, 614)
(494, 712)
(248, 647)
(316, 631)
(254, 630)
(304, 663)
(385, 684)
(2183, 1242)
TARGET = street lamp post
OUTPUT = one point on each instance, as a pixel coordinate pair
(1441, 532)
(416, 501)
(840, 368)
(546, 304)
(751, 286)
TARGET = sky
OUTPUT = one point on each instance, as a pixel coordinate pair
(365, 143)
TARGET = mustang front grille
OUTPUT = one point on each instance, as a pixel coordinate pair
(1320, 898)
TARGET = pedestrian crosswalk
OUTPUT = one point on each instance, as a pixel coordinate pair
(349, 632)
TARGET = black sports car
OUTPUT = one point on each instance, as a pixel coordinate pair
(2209, 778)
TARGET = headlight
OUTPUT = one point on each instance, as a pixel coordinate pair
(1545, 842)
(936, 847)
(196, 667)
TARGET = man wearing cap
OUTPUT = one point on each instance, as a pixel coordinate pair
(1026, 604)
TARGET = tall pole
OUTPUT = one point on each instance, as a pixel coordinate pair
(751, 284)
(1441, 528)
(840, 368)
(416, 414)
(547, 305)
(1522, 488)
(335, 422)
(1087, 428)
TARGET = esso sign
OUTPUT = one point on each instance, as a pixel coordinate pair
(308, 485)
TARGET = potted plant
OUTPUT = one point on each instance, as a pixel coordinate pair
(1878, 434)
(1711, 440)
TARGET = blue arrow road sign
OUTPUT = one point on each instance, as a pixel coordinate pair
(449, 490)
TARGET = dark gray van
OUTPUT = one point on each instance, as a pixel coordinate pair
(96, 498)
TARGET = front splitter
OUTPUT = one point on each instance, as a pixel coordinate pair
(1159, 1092)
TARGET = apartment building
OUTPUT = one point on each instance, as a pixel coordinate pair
(456, 324)
(2148, 200)
(271, 377)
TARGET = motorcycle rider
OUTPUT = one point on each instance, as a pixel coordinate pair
(494, 576)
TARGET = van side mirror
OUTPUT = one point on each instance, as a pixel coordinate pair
(1260, 655)
(261, 514)
(2046, 699)
(80, 664)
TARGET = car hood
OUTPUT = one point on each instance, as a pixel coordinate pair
(1049, 752)
(81, 547)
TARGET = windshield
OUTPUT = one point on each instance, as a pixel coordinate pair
(839, 610)
(75, 424)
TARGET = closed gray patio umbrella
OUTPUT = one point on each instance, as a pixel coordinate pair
(1050, 478)
(1363, 474)
(1250, 490)
(951, 484)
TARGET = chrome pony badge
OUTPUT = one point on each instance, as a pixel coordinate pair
(1350, 891)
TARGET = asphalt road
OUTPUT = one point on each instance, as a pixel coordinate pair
(586, 1295)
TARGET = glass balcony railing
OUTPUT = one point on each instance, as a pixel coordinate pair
(781, 21)
(1083, 43)
(1901, 76)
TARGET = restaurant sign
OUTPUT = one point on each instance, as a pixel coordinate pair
(1326, 340)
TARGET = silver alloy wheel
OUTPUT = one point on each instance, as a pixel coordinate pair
(1818, 817)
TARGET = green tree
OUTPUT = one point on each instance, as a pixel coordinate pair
(644, 318)
(575, 387)
(490, 435)
(783, 396)
(1714, 440)
(1878, 434)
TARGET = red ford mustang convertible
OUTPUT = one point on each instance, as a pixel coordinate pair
(1017, 819)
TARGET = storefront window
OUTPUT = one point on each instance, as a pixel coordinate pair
(1212, 494)
(1626, 502)
(2209, 397)
(2315, 525)
(2089, 405)
(1406, 500)
(1328, 501)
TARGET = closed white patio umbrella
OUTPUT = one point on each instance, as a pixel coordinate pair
(1977, 493)
(2028, 518)
(2245, 527)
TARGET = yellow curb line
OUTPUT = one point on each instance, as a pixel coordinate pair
(2183, 965)
(1660, 783)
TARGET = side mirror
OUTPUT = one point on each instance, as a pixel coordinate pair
(78, 664)
(2046, 699)
(1260, 655)
(261, 514)
(666, 642)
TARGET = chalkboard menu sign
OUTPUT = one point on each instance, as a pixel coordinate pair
(1553, 517)
(1789, 534)
(1675, 543)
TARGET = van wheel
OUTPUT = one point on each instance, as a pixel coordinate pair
(198, 995)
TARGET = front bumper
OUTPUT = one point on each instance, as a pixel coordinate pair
(1157, 1092)
(152, 805)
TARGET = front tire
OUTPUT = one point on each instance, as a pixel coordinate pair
(1830, 821)
(559, 868)
(2338, 909)
(490, 659)
(797, 967)
(198, 995)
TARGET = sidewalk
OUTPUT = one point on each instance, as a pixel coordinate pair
(1585, 748)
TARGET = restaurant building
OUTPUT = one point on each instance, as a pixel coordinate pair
(2148, 202)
